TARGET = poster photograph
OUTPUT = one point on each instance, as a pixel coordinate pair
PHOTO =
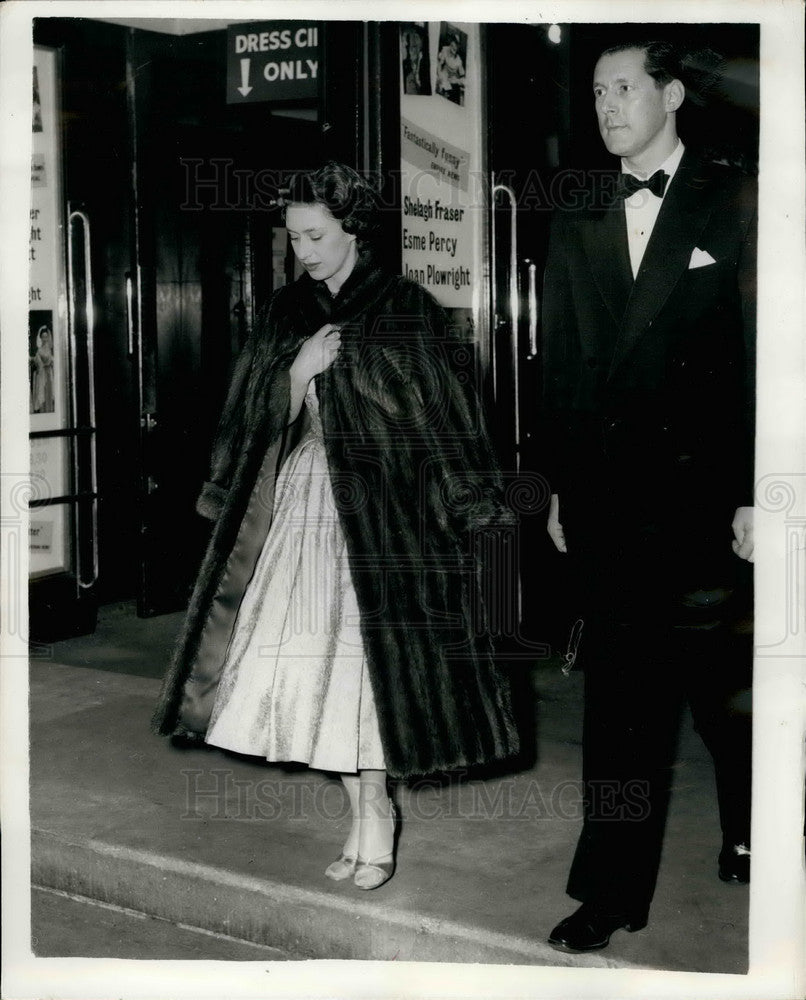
(37, 104)
(415, 58)
(40, 356)
(452, 63)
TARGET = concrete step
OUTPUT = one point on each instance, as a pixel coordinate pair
(67, 926)
(303, 922)
(235, 847)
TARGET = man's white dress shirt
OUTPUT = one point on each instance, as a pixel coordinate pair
(642, 208)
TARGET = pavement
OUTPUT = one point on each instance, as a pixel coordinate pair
(228, 852)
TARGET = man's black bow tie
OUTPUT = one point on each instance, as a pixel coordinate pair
(628, 184)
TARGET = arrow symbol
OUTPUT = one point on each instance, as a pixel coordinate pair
(244, 88)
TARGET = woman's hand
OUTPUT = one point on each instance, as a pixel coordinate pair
(316, 354)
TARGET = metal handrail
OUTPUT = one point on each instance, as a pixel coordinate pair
(514, 302)
(89, 309)
(533, 309)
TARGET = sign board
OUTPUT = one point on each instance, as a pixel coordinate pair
(438, 228)
(441, 157)
(272, 61)
(433, 155)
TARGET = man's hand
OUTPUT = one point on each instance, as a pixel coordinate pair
(743, 533)
(554, 528)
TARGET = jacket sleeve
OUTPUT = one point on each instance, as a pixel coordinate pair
(747, 281)
(233, 423)
(560, 351)
(229, 435)
(257, 401)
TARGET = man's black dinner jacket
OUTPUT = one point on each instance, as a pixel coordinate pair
(648, 383)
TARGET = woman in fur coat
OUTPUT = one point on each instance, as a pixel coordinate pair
(338, 618)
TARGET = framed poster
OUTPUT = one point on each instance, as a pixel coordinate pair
(47, 334)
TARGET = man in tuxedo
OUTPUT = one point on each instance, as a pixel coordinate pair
(649, 315)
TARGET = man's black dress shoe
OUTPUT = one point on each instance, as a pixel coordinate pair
(734, 863)
(590, 928)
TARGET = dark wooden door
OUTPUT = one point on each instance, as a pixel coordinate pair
(177, 274)
(203, 222)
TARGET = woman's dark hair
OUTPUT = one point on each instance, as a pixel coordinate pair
(348, 197)
(698, 70)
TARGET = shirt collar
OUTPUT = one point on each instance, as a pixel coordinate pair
(669, 165)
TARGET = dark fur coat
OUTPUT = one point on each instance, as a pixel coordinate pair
(418, 496)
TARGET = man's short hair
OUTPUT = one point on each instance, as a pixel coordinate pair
(662, 60)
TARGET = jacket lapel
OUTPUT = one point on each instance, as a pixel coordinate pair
(604, 239)
(682, 218)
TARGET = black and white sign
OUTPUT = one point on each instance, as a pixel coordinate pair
(272, 61)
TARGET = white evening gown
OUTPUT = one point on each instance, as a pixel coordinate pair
(295, 685)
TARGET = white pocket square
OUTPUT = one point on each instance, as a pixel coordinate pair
(700, 258)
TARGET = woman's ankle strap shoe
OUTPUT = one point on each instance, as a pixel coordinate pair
(342, 868)
(373, 874)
